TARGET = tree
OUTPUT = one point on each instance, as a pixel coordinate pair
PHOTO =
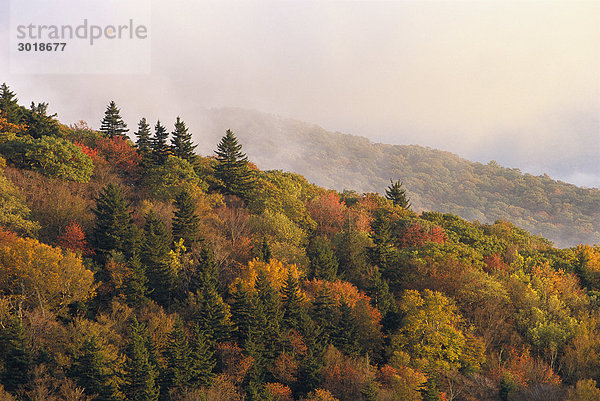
(39, 275)
(430, 330)
(52, 156)
(178, 372)
(202, 358)
(143, 141)
(231, 167)
(211, 313)
(94, 372)
(120, 153)
(181, 143)
(9, 104)
(136, 284)
(154, 253)
(160, 148)
(15, 356)
(140, 373)
(323, 263)
(14, 213)
(345, 337)
(73, 239)
(112, 123)
(166, 181)
(395, 193)
(185, 220)
(292, 301)
(113, 222)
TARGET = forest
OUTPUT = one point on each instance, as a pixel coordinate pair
(132, 268)
(435, 180)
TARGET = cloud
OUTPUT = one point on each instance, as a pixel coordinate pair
(502, 80)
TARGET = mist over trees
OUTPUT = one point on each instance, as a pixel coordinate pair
(164, 275)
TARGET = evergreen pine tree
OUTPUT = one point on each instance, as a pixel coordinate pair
(345, 337)
(181, 143)
(136, 285)
(185, 220)
(231, 167)
(242, 312)
(324, 312)
(140, 373)
(383, 251)
(143, 141)
(379, 291)
(214, 317)
(203, 361)
(9, 104)
(430, 392)
(112, 124)
(205, 273)
(160, 148)
(310, 370)
(370, 391)
(323, 263)
(397, 195)
(264, 251)
(15, 357)
(292, 299)
(178, 372)
(268, 302)
(113, 229)
(154, 254)
(94, 373)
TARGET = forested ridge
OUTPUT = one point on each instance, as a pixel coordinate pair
(132, 268)
(436, 180)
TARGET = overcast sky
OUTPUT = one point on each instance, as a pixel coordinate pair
(513, 81)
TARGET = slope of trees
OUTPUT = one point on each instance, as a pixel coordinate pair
(135, 288)
(434, 180)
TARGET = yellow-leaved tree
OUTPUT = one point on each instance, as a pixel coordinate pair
(33, 274)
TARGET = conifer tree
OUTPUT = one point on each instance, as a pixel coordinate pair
(143, 141)
(185, 220)
(383, 250)
(9, 104)
(178, 372)
(292, 300)
(345, 337)
(231, 167)
(202, 357)
(160, 148)
(214, 318)
(136, 286)
(323, 263)
(15, 357)
(242, 312)
(370, 391)
(397, 195)
(140, 373)
(324, 312)
(113, 229)
(264, 251)
(154, 253)
(112, 124)
(269, 305)
(94, 372)
(205, 273)
(181, 143)
(310, 370)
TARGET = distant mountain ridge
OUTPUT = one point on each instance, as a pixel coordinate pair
(435, 180)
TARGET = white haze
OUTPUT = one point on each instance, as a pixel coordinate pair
(517, 82)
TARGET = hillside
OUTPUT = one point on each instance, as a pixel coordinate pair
(435, 180)
(145, 271)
